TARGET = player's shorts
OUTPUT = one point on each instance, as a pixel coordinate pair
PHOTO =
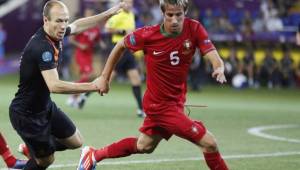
(126, 62)
(173, 121)
(39, 130)
(85, 63)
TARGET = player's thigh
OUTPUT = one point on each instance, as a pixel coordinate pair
(72, 142)
(147, 143)
(182, 126)
(63, 128)
(35, 131)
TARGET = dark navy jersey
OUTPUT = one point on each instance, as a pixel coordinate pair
(41, 53)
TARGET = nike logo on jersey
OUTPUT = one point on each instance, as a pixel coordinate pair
(157, 52)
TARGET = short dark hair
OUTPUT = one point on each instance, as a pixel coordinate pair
(48, 6)
(183, 3)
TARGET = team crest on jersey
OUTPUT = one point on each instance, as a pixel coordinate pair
(132, 39)
(47, 56)
(187, 47)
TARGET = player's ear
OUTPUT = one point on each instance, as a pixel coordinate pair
(45, 19)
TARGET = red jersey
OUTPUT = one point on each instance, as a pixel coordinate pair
(89, 38)
(168, 59)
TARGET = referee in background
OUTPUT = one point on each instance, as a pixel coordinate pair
(120, 25)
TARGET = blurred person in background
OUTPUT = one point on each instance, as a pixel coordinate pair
(269, 71)
(286, 69)
(169, 48)
(248, 66)
(64, 68)
(2, 41)
(10, 160)
(232, 65)
(84, 43)
(120, 25)
(43, 126)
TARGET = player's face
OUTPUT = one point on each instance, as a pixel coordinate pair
(58, 22)
(173, 18)
(129, 5)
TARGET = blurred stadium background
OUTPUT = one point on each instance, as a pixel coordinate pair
(256, 38)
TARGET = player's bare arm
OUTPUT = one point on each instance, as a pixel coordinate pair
(298, 38)
(92, 21)
(58, 86)
(218, 66)
(112, 60)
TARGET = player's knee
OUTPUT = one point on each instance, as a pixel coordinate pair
(211, 146)
(209, 143)
(77, 144)
(46, 161)
(145, 149)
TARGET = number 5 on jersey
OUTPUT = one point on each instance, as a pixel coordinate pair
(174, 58)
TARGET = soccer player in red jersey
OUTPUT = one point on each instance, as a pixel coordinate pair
(10, 160)
(84, 43)
(168, 48)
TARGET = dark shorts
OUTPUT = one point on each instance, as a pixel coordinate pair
(127, 62)
(173, 121)
(40, 130)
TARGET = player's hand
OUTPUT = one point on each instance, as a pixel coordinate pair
(117, 8)
(102, 84)
(218, 74)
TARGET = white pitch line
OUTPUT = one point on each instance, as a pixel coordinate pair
(157, 161)
(258, 131)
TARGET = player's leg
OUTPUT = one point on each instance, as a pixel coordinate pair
(211, 153)
(149, 138)
(9, 159)
(85, 65)
(35, 132)
(181, 125)
(135, 81)
(65, 134)
(122, 148)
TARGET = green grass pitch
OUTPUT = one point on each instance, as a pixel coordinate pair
(229, 115)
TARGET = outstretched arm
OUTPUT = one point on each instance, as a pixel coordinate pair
(58, 86)
(112, 60)
(218, 66)
(298, 38)
(88, 22)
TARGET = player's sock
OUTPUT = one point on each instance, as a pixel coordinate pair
(215, 161)
(32, 165)
(138, 95)
(5, 152)
(122, 148)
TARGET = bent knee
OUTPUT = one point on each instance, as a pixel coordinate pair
(211, 146)
(145, 149)
(76, 144)
(209, 143)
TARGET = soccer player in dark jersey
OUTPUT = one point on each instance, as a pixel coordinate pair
(41, 124)
(10, 160)
(169, 48)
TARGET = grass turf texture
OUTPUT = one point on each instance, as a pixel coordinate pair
(228, 116)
